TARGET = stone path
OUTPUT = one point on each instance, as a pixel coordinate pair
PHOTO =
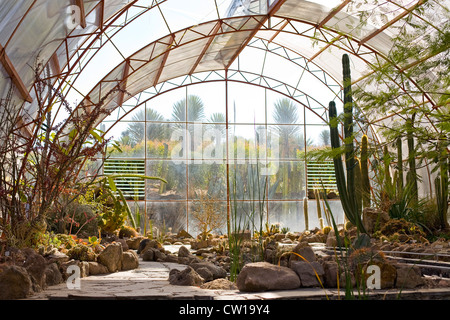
(150, 282)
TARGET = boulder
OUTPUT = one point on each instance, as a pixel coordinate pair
(147, 244)
(186, 277)
(159, 255)
(184, 252)
(330, 275)
(183, 234)
(97, 268)
(199, 244)
(216, 271)
(124, 244)
(219, 284)
(111, 257)
(388, 274)
(331, 239)
(409, 277)
(130, 260)
(35, 264)
(52, 275)
(15, 283)
(303, 250)
(205, 273)
(133, 243)
(263, 276)
(307, 271)
(171, 258)
(374, 219)
(84, 269)
(148, 255)
(57, 257)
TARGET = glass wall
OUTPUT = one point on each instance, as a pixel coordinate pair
(182, 137)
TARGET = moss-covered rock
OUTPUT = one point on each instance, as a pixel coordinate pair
(81, 252)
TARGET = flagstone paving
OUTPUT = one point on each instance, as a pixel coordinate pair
(150, 282)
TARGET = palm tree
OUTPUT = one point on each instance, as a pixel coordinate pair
(135, 132)
(286, 116)
(194, 106)
(324, 135)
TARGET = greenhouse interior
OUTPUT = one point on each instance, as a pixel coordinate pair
(224, 149)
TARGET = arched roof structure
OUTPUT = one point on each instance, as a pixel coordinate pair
(138, 44)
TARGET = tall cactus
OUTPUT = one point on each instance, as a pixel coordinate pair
(411, 176)
(442, 182)
(305, 212)
(348, 126)
(365, 171)
(399, 164)
(348, 199)
(358, 186)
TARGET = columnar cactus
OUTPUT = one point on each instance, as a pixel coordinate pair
(399, 164)
(346, 194)
(305, 212)
(365, 171)
(411, 176)
(348, 126)
(442, 182)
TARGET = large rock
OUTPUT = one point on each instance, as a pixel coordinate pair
(409, 277)
(184, 252)
(130, 260)
(35, 264)
(216, 271)
(388, 274)
(111, 257)
(147, 244)
(186, 277)
(219, 284)
(15, 283)
(97, 268)
(331, 239)
(57, 257)
(205, 274)
(304, 251)
(124, 244)
(330, 275)
(133, 243)
(374, 219)
(263, 276)
(183, 234)
(307, 273)
(52, 275)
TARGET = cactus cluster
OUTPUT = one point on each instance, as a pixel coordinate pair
(354, 187)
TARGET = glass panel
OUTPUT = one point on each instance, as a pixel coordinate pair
(138, 210)
(163, 104)
(287, 214)
(166, 215)
(317, 135)
(290, 214)
(212, 96)
(207, 214)
(208, 180)
(174, 174)
(289, 181)
(290, 139)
